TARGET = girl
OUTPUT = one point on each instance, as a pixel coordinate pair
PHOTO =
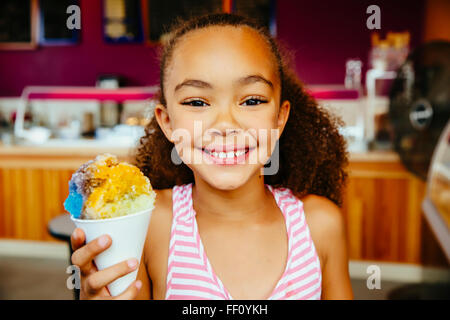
(222, 229)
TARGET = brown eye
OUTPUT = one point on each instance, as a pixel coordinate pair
(195, 103)
(254, 101)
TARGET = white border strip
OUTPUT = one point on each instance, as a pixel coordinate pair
(34, 249)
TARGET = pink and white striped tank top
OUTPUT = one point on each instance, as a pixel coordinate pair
(190, 275)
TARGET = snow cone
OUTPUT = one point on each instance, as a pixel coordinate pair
(115, 198)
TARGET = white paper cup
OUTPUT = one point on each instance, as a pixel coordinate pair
(128, 235)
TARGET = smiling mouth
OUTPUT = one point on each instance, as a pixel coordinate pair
(233, 156)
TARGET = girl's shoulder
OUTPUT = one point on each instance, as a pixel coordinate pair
(320, 207)
(325, 222)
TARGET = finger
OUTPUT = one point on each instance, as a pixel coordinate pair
(102, 278)
(77, 238)
(84, 255)
(131, 292)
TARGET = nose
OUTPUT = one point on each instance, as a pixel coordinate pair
(225, 122)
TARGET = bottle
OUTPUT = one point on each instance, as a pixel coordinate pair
(88, 128)
(353, 74)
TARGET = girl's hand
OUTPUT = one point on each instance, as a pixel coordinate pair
(94, 282)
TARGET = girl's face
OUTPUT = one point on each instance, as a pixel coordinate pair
(223, 91)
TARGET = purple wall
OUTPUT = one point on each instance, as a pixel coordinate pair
(323, 34)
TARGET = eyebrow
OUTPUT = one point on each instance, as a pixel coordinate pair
(242, 81)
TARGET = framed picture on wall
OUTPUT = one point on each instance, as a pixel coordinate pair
(53, 29)
(122, 21)
(159, 15)
(18, 24)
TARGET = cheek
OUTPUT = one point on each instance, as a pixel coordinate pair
(187, 131)
(265, 130)
(266, 118)
(182, 132)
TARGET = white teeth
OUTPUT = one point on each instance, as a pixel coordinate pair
(228, 155)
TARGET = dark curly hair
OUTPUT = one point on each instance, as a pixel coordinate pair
(313, 155)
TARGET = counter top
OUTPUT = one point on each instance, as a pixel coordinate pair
(92, 149)
(375, 156)
(88, 151)
(56, 158)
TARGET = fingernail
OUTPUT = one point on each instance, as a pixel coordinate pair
(132, 263)
(103, 241)
(138, 284)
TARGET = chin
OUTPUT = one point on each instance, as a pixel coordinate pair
(228, 179)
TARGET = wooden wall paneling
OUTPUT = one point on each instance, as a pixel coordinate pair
(380, 221)
(51, 193)
(6, 206)
(9, 203)
(382, 208)
(396, 198)
(18, 213)
(413, 233)
(33, 195)
(27, 196)
(366, 191)
(2, 205)
(353, 212)
(29, 199)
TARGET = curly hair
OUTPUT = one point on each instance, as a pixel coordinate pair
(313, 155)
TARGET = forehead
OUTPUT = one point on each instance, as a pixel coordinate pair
(221, 52)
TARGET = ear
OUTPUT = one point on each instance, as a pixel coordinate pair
(283, 115)
(163, 119)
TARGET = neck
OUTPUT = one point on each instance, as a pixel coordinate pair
(245, 203)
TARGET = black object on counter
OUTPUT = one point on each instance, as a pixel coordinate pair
(420, 104)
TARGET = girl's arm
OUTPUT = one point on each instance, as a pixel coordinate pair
(327, 227)
(336, 278)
